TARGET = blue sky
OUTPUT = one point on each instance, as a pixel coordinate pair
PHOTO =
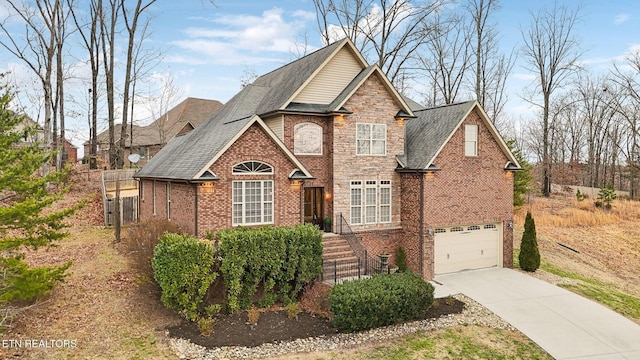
(208, 48)
(212, 46)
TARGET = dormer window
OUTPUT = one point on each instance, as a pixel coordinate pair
(471, 140)
(371, 139)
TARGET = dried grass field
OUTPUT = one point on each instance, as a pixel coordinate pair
(606, 242)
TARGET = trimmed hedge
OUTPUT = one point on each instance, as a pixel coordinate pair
(183, 266)
(379, 301)
(282, 259)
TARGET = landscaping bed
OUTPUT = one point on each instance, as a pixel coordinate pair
(275, 326)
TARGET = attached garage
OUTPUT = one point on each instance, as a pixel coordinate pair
(459, 248)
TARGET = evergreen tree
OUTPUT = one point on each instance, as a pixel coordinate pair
(529, 257)
(522, 179)
(27, 221)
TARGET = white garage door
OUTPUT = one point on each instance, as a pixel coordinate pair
(467, 247)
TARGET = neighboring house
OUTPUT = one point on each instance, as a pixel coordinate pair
(71, 152)
(148, 140)
(36, 134)
(328, 136)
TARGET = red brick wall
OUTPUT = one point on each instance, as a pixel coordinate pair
(215, 209)
(182, 203)
(183, 206)
(411, 242)
(319, 166)
(379, 242)
(471, 190)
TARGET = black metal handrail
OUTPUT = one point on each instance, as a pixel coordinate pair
(364, 265)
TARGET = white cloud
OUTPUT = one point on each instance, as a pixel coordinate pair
(621, 19)
(524, 76)
(237, 38)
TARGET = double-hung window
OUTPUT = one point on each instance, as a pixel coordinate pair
(371, 139)
(370, 201)
(252, 200)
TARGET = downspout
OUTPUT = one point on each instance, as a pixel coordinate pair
(195, 190)
(421, 232)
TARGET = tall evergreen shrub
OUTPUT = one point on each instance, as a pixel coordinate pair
(529, 257)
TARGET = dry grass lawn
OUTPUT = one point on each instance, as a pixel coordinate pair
(607, 241)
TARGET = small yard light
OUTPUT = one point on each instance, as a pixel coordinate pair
(510, 224)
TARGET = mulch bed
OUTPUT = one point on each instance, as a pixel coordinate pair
(274, 326)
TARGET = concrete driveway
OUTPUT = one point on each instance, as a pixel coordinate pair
(564, 324)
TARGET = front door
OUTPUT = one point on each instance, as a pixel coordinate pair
(313, 200)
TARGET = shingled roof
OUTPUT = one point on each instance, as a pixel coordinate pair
(185, 157)
(431, 130)
(189, 112)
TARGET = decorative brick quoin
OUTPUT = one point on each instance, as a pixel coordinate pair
(327, 139)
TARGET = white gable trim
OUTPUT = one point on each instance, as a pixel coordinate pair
(385, 81)
(254, 120)
(492, 129)
(345, 42)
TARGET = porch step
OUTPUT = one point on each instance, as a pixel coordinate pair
(336, 247)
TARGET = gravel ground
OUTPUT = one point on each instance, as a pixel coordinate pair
(474, 314)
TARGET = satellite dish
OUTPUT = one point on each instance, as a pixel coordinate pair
(134, 158)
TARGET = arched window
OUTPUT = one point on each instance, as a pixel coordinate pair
(252, 168)
(307, 139)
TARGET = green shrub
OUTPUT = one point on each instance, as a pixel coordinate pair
(401, 259)
(606, 195)
(529, 257)
(282, 259)
(381, 300)
(183, 267)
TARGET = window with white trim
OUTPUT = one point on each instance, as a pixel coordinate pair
(370, 201)
(385, 201)
(471, 140)
(371, 139)
(252, 202)
(356, 202)
(252, 168)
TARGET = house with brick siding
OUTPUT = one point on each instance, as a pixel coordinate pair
(329, 137)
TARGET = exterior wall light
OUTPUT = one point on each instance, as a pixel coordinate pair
(206, 188)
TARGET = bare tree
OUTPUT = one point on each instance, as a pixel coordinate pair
(492, 68)
(108, 22)
(550, 50)
(131, 20)
(89, 30)
(448, 58)
(626, 78)
(388, 32)
(37, 49)
(168, 95)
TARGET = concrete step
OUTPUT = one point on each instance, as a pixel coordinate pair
(336, 248)
(339, 255)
